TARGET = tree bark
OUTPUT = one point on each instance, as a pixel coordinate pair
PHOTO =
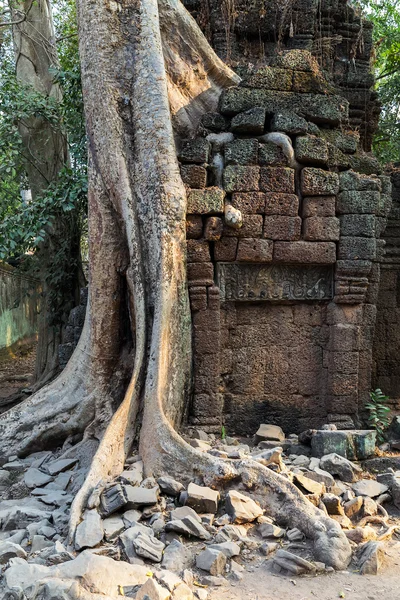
(45, 152)
(137, 210)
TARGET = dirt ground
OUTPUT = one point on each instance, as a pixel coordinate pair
(262, 584)
(16, 371)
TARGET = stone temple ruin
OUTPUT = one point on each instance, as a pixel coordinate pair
(284, 306)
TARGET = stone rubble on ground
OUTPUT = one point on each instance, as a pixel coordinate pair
(154, 539)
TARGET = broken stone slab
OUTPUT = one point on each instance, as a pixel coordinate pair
(352, 508)
(241, 508)
(131, 516)
(113, 526)
(35, 478)
(268, 432)
(292, 563)
(361, 534)
(321, 476)
(228, 548)
(268, 530)
(133, 475)
(148, 547)
(211, 560)
(39, 542)
(231, 532)
(9, 550)
(196, 529)
(19, 517)
(60, 482)
(301, 461)
(177, 557)
(332, 503)
(113, 498)
(340, 466)
(58, 466)
(184, 511)
(370, 558)
(352, 444)
(140, 496)
(129, 535)
(310, 486)
(100, 573)
(370, 507)
(202, 499)
(170, 486)
(168, 579)
(89, 532)
(369, 487)
(152, 590)
(295, 535)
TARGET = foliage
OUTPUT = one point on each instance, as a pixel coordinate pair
(223, 433)
(378, 413)
(385, 15)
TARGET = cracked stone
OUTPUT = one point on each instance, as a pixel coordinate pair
(241, 508)
(212, 561)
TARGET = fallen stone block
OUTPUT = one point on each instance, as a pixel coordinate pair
(152, 590)
(371, 558)
(228, 548)
(202, 499)
(113, 526)
(148, 547)
(89, 532)
(270, 530)
(369, 487)
(292, 563)
(241, 508)
(170, 486)
(340, 466)
(353, 445)
(267, 432)
(10, 550)
(112, 499)
(211, 560)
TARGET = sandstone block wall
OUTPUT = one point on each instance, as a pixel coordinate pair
(283, 307)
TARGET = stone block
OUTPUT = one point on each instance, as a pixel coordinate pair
(267, 432)
(208, 201)
(200, 273)
(213, 229)
(252, 227)
(322, 229)
(343, 384)
(317, 182)
(344, 338)
(225, 249)
(202, 499)
(270, 78)
(281, 204)
(249, 202)
(241, 152)
(311, 82)
(254, 250)
(289, 122)
(350, 180)
(241, 178)
(342, 362)
(278, 227)
(194, 227)
(214, 122)
(319, 206)
(272, 155)
(277, 179)
(337, 159)
(362, 162)
(346, 142)
(211, 560)
(198, 251)
(195, 151)
(194, 176)
(311, 149)
(305, 252)
(242, 508)
(357, 202)
(198, 297)
(357, 225)
(357, 248)
(251, 121)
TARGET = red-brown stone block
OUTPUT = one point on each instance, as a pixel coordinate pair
(249, 202)
(281, 204)
(277, 179)
(198, 298)
(225, 249)
(252, 227)
(213, 229)
(194, 227)
(322, 229)
(255, 250)
(278, 227)
(319, 206)
(194, 176)
(198, 251)
(317, 182)
(323, 253)
(201, 273)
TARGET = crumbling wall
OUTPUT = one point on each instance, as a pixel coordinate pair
(386, 365)
(283, 306)
(19, 306)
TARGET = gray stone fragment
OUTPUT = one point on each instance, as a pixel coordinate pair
(295, 535)
(212, 561)
(370, 558)
(148, 547)
(131, 516)
(112, 499)
(138, 496)
(20, 517)
(250, 121)
(202, 499)
(270, 530)
(343, 468)
(113, 526)
(61, 465)
(89, 532)
(184, 511)
(369, 487)
(170, 486)
(267, 432)
(228, 548)
(133, 475)
(195, 528)
(35, 478)
(177, 557)
(321, 476)
(39, 542)
(241, 508)
(293, 563)
(152, 590)
(10, 550)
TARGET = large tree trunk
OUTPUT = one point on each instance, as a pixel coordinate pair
(45, 153)
(137, 206)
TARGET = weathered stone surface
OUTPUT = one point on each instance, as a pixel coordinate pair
(249, 202)
(270, 78)
(213, 229)
(277, 179)
(197, 251)
(200, 274)
(288, 122)
(311, 149)
(332, 503)
(36, 478)
(208, 201)
(370, 558)
(169, 486)
(228, 548)
(112, 499)
(321, 476)
(20, 517)
(113, 526)
(177, 557)
(241, 508)
(138, 496)
(148, 547)
(202, 499)
(254, 250)
(194, 176)
(369, 487)
(357, 225)
(352, 444)
(340, 466)
(269, 530)
(215, 122)
(267, 431)
(184, 511)
(321, 229)
(211, 560)
(316, 182)
(357, 202)
(61, 465)
(357, 248)
(195, 151)
(10, 550)
(277, 227)
(305, 252)
(281, 204)
(251, 121)
(319, 206)
(152, 590)
(272, 155)
(89, 532)
(194, 226)
(241, 152)
(310, 485)
(360, 535)
(239, 178)
(292, 563)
